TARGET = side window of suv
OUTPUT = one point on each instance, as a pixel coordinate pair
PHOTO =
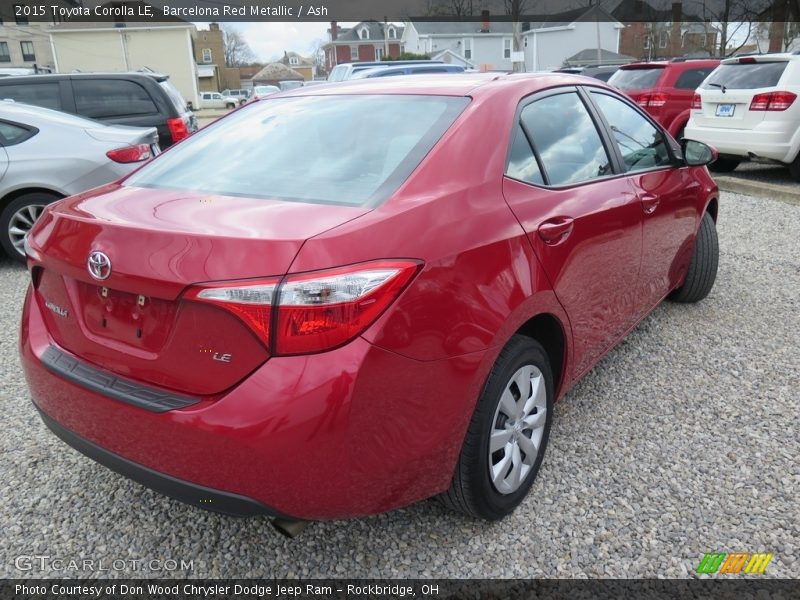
(566, 139)
(46, 94)
(104, 98)
(641, 145)
(691, 78)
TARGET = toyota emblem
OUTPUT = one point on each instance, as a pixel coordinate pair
(99, 265)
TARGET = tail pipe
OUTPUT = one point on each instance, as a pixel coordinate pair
(289, 528)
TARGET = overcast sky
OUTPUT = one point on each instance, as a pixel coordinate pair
(269, 40)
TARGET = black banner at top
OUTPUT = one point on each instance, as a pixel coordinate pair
(126, 12)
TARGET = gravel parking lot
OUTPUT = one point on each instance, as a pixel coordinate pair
(684, 440)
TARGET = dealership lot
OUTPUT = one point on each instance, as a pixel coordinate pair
(682, 441)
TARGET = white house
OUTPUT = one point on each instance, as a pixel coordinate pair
(489, 44)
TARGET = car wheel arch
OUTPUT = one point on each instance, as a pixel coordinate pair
(548, 330)
(712, 206)
(21, 191)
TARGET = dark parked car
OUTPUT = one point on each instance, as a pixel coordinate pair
(139, 99)
(356, 297)
(603, 72)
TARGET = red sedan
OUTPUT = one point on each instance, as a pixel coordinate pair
(350, 298)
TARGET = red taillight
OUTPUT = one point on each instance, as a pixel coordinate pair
(130, 154)
(654, 100)
(177, 129)
(657, 100)
(316, 311)
(697, 103)
(775, 101)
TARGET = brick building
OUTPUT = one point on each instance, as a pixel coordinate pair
(367, 41)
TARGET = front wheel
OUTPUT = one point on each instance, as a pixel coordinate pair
(18, 217)
(702, 270)
(507, 437)
(230, 105)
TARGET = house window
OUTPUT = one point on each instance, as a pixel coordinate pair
(5, 55)
(378, 53)
(392, 33)
(293, 60)
(206, 55)
(467, 42)
(20, 18)
(364, 33)
(507, 48)
(353, 52)
(28, 54)
(663, 39)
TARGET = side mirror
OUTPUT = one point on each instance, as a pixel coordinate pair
(697, 154)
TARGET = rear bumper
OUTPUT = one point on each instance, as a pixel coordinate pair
(354, 431)
(762, 141)
(185, 491)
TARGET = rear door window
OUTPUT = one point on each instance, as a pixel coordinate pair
(746, 76)
(46, 94)
(11, 133)
(566, 139)
(522, 164)
(106, 98)
(636, 79)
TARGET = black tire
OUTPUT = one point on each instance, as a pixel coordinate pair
(794, 168)
(724, 165)
(32, 201)
(472, 491)
(702, 270)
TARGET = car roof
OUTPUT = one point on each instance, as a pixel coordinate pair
(441, 84)
(59, 76)
(660, 64)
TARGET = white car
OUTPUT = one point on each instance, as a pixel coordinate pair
(747, 108)
(46, 155)
(217, 100)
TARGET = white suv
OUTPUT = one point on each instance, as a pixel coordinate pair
(748, 108)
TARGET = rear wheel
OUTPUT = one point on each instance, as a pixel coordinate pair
(507, 437)
(230, 105)
(724, 165)
(702, 270)
(18, 217)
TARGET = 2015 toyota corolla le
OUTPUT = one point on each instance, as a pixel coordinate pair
(350, 298)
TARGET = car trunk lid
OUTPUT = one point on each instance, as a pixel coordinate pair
(135, 322)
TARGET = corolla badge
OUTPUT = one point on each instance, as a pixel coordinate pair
(99, 265)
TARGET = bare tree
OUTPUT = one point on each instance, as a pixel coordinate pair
(237, 51)
(318, 56)
(516, 9)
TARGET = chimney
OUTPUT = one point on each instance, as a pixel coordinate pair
(484, 21)
(213, 26)
(334, 31)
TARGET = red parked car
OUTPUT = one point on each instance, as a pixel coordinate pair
(349, 299)
(665, 89)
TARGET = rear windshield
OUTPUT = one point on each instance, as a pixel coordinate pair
(351, 150)
(746, 76)
(338, 72)
(636, 79)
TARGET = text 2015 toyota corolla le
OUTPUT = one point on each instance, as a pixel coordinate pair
(349, 299)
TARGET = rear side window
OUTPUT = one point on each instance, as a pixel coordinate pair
(174, 95)
(11, 133)
(352, 150)
(691, 78)
(636, 79)
(104, 98)
(566, 139)
(522, 163)
(38, 94)
(641, 145)
(746, 76)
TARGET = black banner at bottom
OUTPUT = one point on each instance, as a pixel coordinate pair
(439, 589)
